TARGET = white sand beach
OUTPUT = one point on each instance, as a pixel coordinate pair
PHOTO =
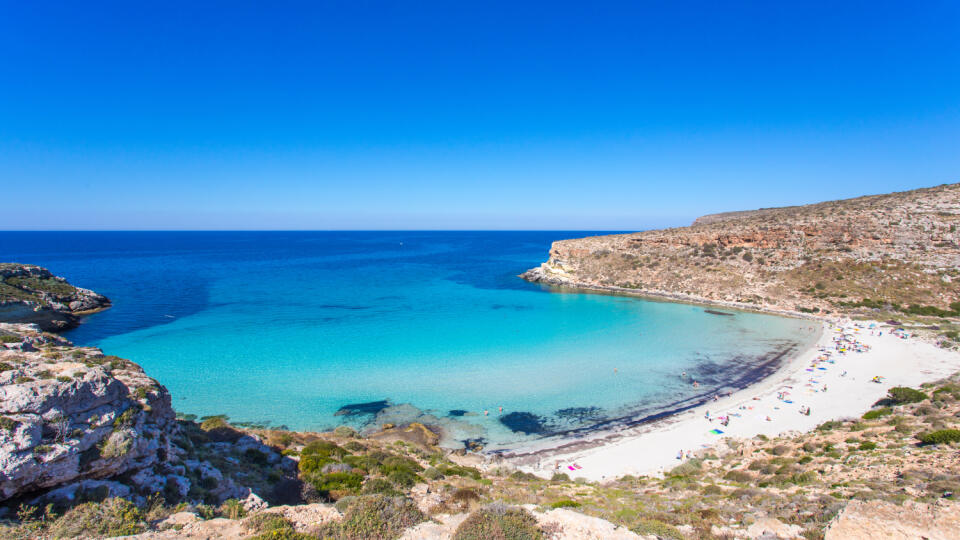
(839, 387)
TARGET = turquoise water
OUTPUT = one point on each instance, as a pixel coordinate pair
(288, 328)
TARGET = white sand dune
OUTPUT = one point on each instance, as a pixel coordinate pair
(653, 449)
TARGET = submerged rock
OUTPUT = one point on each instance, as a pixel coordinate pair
(360, 409)
(525, 422)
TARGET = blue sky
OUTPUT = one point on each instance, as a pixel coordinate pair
(465, 115)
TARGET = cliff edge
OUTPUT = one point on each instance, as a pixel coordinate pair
(898, 253)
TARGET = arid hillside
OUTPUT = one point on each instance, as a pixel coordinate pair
(893, 253)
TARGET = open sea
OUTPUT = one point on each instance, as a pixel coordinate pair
(311, 330)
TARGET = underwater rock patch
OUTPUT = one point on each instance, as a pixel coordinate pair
(525, 422)
(580, 415)
(358, 409)
(456, 412)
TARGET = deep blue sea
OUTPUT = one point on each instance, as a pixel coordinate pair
(292, 328)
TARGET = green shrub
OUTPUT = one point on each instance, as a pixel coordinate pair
(877, 413)
(901, 395)
(313, 464)
(323, 449)
(432, 474)
(125, 418)
(829, 425)
(270, 526)
(941, 436)
(868, 445)
(21, 380)
(115, 445)
(560, 477)
(524, 476)
(690, 467)
(232, 509)
(457, 470)
(403, 478)
(373, 486)
(653, 527)
(345, 431)
(499, 522)
(803, 478)
(374, 516)
(336, 484)
(564, 503)
(739, 476)
(5, 367)
(465, 497)
(112, 517)
(214, 422)
(7, 338)
(8, 424)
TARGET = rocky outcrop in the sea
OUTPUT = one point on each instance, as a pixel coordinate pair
(32, 294)
(75, 423)
(899, 251)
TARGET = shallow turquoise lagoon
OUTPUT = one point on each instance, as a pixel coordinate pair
(290, 328)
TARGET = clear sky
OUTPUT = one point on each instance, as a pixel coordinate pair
(465, 114)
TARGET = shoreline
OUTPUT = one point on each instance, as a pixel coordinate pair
(588, 436)
(651, 448)
(563, 284)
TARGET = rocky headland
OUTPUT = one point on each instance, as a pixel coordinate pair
(31, 294)
(895, 255)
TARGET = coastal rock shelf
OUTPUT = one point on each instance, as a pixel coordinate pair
(31, 294)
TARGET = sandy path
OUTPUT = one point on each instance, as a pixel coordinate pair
(653, 449)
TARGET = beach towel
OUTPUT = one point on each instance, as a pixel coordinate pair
(715, 432)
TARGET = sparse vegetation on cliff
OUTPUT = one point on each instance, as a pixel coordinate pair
(894, 255)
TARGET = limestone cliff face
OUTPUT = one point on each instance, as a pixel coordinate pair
(73, 420)
(901, 248)
(31, 294)
(71, 413)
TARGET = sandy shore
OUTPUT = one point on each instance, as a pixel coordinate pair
(652, 449)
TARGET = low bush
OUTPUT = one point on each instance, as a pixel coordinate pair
(112, 517)
(942, 436)
(653, 527)
(564, 503)
(739, 476)
(375, 516)
(232, 509)
(877, 413)
(336, 484)
(499, 522)
(270, 526)
(524, 476)
(381, 486)
(688, 468)
(901, 395)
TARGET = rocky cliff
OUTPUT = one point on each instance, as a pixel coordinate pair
(74, 421)
(899, 252)
(31, 294)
